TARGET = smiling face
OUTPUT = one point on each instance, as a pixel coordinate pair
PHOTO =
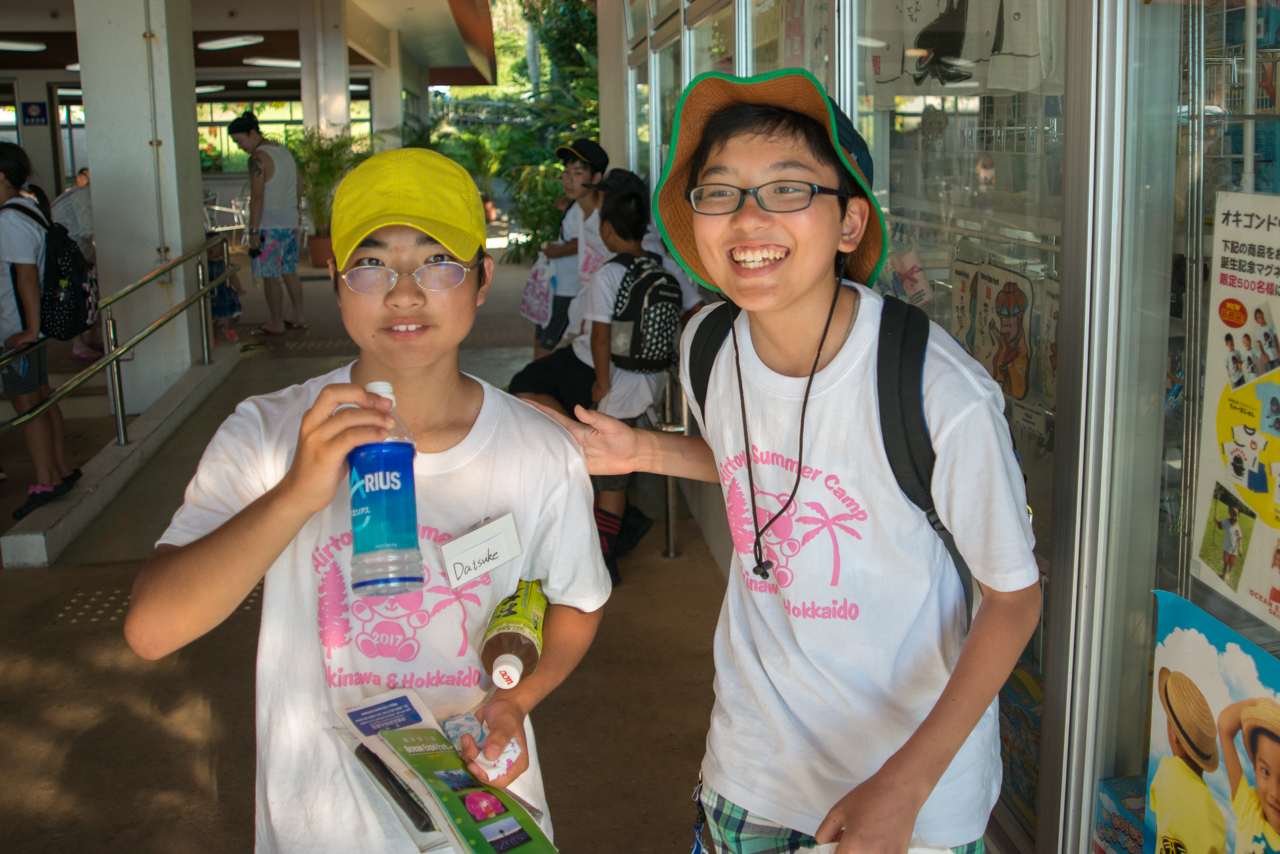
(1266, 770)
(408, 327)
(765, 261)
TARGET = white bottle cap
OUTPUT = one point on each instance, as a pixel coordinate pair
(382, 390)
(506, 670)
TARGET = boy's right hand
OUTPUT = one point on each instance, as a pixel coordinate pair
(610, 446)
(327, 436)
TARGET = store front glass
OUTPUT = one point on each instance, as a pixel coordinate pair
(640, 118)
(713, 43)
(670, 85)
(638, 16)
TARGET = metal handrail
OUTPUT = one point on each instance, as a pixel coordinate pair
(110, 359)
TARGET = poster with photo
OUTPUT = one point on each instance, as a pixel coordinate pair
(1239, 473)
(1047, 349)
(1202, 787)
(964, 304)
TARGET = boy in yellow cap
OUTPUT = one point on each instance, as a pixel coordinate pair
(266, 503)
(850, 703)
(1257, 808)
(1187, 817)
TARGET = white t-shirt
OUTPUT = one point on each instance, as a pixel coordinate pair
(825, 669)
(592, 253)
(21, 242)
(1242, 453)
(1268, 341)
(567, 265)
(1231, 535)
(630, 394)
(320, 647)
(1255, 363)
(689, 296)
(74, 209)
(1235, 367)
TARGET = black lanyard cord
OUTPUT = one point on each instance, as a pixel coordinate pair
(763, 566)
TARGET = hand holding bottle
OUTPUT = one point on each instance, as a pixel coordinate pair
(344, 417)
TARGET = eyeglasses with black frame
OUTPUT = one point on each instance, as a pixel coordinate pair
(438, 276)
(775, 197)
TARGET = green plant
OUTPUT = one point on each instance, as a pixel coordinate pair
(417, 132)
(322, 162)
(534, 190)
(478, 154)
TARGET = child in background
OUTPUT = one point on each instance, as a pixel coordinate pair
(1231, 537)
(1235, 362)
(225, 299)
(268, 502)
(1267, 337)
(1257, 809)
(584, 374)
(1187, 817)
(584, 165)
(851, 705)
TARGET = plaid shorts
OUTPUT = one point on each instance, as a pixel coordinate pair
(736, 831)
(279, 253)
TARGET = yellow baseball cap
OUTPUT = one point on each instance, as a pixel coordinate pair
(413, 187)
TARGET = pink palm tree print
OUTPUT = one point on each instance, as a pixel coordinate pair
(460, 597)
(828, 524)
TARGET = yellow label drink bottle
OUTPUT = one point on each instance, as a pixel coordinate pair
(513, 641)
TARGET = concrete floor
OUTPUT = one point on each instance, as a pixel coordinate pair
(104, 752)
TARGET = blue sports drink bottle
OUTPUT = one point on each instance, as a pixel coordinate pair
(385, 558)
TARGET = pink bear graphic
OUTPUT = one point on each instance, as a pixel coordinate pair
(389, 625)
(779, 541)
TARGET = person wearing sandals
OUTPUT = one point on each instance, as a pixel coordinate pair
(274, 193)
(26, 380)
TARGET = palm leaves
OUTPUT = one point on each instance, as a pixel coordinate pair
(829, 524)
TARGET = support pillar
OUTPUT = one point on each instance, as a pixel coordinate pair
(385, 97)
(610, 48)
(139, 87)
(322, 46)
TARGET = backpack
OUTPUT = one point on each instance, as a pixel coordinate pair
(904, 337)
(646, 316)
(69, 283)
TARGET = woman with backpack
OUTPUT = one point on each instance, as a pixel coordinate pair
(26, 380)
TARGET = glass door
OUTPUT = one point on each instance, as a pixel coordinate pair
(962, 106)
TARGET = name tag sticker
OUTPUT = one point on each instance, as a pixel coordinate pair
(483, 548)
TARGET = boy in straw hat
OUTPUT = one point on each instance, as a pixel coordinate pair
(1257, 809)
(409, 275)
(1187, 817)
(850, 704)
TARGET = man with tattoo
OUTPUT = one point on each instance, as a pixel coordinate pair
(274, 192)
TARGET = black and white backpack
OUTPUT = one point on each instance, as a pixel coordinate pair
(68, 282)
(646, 316)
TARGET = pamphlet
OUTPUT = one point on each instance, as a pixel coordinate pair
(485, 819)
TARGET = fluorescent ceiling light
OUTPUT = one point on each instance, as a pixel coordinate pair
(272, 62)
(230, 42)
(358, 87)
(257, 84)
(211, 88)
(24, 47)
(874, 44)
(75, 66)
(962, 84)
(915, 51)
(75, 93)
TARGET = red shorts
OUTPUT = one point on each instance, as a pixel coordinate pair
(1228, 561)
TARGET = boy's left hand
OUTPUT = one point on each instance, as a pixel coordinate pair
(598, 391)
(877, 817)
(505, 718)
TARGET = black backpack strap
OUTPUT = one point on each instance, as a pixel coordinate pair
(706, 344)
(28, 212)
(904, 339)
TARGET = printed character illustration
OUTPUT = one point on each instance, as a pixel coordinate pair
(1235, 362)
(1009, 367)
(389, 625)
(962, 284)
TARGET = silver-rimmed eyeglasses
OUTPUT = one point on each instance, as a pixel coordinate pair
(439, 276)
(775, 196)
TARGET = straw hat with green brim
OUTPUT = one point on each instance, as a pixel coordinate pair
(408, 186)
(1193, 722)
(1263, 717)
(792, 89)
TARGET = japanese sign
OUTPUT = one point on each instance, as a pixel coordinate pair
(1237, 518)
(35, 114)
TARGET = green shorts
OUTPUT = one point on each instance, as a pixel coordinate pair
(736, 831)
